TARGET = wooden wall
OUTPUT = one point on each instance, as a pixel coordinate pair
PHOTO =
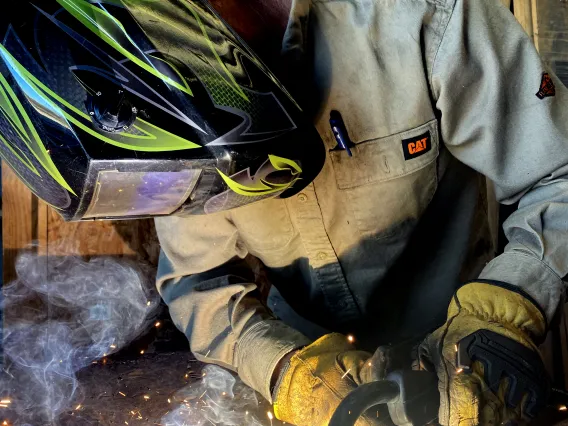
(28, 224)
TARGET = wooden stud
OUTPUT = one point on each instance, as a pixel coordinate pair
(523, 13)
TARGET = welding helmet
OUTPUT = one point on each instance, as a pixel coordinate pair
(116, 109)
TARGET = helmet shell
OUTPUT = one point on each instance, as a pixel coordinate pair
(137, 108)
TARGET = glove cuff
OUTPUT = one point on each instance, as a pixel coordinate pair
(501, 303)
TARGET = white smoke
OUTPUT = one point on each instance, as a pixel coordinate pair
(219, 398)
(62, 316)
(55, 326)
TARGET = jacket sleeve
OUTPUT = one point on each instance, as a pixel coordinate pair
(212, 297)
(485, 79)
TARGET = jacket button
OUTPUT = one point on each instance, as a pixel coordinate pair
(302, 197)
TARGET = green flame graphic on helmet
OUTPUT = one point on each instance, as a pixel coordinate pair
(109, 29)
(16, 115)
(258, 186)
(149, 138)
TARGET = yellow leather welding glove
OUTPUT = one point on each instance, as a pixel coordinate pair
(489, 369)
(317, 379)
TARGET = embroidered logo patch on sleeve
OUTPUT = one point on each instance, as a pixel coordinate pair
(417, 146)
(547, 88)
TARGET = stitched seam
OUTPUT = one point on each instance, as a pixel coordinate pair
(442, 38)
(484, 316)
(322, 380)
(441, 356)
(367, 181)
(533, 257)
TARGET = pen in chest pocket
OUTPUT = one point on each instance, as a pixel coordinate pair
(340, 132)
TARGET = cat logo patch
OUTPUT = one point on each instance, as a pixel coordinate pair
(417, 146)
(547, 87)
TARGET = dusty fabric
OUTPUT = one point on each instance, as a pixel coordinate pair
(378, 244)
(465, 398)
(316, 381)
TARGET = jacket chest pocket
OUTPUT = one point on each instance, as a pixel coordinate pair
(264, 226)
(389, 182)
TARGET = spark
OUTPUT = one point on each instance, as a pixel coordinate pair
(346, 373)
(123, 394)
(224, 393)
(270, 417)
(186, 376)
(562, 408)
(78, 407)
(148, 303)
(142, 352)
(3, 406)
(169, 401)
(113, 346)
(5, 423)
(208, 352)
(125, 422)
(146, 397)
(5, 401)
(104, 354)
(204, 392)
(350, 338)
(459, 370)
(158, 323)
(456, 348)
(369, 364)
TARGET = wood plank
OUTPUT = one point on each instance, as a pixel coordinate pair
(28, 224)
(84, 238)
(536, 28)
(24, 225)
(523, 13)
(550, 27)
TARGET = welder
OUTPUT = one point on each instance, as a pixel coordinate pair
(416, 102)
(283, 248)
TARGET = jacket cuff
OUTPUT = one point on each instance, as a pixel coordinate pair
(261, 348)
(531, 275)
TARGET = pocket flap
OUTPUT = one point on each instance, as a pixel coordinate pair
(387, 158)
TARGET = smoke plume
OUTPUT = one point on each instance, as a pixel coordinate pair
(218, 398)
(59, 318)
